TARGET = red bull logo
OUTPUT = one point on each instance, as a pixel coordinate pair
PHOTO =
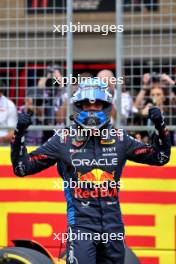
(97, 192)
(96, 176)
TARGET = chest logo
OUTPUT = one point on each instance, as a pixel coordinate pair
(107, 142)
(96, 176)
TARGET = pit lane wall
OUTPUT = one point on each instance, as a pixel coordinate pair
(34, 208)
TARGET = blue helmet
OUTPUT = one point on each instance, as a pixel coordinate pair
(92, 90)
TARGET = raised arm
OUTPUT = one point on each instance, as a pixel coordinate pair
(158, 153)
(38, 160)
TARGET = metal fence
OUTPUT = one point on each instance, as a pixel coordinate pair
(33, 56)
(148, 60)
(33, 52)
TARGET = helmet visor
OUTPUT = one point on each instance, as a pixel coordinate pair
(92, 94)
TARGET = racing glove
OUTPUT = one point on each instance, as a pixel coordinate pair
(24, 121)
(157, 118)
(161, 139)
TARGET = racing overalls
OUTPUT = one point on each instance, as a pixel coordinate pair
(92, 207)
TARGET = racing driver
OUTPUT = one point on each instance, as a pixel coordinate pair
(91, 159)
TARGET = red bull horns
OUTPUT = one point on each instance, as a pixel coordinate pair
(96, 176)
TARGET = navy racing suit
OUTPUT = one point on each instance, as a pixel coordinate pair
(92, 208)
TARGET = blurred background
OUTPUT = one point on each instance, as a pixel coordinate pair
(34, 58)
(33, 53)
